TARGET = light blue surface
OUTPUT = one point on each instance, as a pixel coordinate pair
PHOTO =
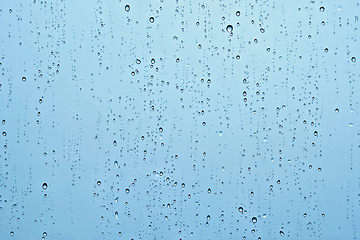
(264, 117)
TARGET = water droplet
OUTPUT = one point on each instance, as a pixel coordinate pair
(40, 100)
(315, 133)
(262, 30)
(114, 143)
(183, 185)
(44, 234)
(4, 133)
(336, 110)
(305, 215)
(356, 19)
(241, 209)
(208, 217)
(151, 19)
(254, 219)
(237, 57)
(116, 215)
(209, 191)
(98, 183)
(282, 233)
(44, 186)
(204, 123)
(23, 79)
(238, 13)
(11, 233)
(138, 61)
(10, 10)
(229, 28)
(161, 129)
(326, 50)
(3, 121)
(322, 9)
(177, 60)
(278, 181)
(353, 59)
(127, 8)
(127, 190)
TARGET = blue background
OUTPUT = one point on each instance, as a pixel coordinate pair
(163, 129)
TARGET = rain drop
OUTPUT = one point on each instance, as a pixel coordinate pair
(98, 183)
(127, 190)
(44, 186)
(322, 9)
(254, 219)
(127, 8)
(238, 13)
(23, 79)
(229, 28)
(353, 59)
(151, 19)
(241, 209)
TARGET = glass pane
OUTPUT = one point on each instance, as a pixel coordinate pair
(179, 119)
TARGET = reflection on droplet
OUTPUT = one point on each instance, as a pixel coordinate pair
(44, 186)
(229, 28)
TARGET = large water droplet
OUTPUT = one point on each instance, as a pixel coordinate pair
(229, 28)
(127, 8)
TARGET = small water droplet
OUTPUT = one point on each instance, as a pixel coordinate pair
(11, 233)
(282, 233)
(127, 8)
(209, 191)
(254, 219)
(315, 133)
(114, 143)
(116, 215)
(161, 129)
(23, 79)
(98, 183)
(238, 13)
(151, 19)
(353, 59)
(336, 110)
(44, 186)
(127, 190)
(322, 9)
(241, 209)
(208, 217)
(262, 30)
